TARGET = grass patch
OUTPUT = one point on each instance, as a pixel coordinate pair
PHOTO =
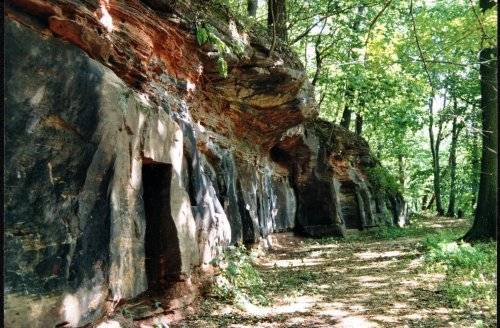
(470, 270)
(292, 282)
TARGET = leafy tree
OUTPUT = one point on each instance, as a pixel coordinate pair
(484, 225)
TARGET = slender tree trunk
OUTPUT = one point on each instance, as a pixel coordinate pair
(431, 201)
(424, 202)
(455, 131)
(306, 43)
(276, 18)
(401, 172)
(484, 226)
(476, 167)
(346, 114)
(349, 93)
(318, 57)
(437, 170)
(252, 6)
(359, 124)
(434, 143)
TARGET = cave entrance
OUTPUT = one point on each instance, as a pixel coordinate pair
(350, 207)
(163, 261)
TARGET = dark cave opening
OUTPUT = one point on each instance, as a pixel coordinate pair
(350, 207)
(280, 156)
(163, 260)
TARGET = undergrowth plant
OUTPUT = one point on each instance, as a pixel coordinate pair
(238, 278)
(470, 270)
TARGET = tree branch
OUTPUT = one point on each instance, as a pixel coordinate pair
(306, 32)
(483, 32)
(271, 3)
(318, 55)
(374, 21)
(418, 46)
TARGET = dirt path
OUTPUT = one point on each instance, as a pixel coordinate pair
(364, 282)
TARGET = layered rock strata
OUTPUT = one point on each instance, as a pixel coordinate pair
(131, 162)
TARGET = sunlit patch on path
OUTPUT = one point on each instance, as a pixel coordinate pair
(360, 283)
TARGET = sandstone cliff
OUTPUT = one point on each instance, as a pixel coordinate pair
(132, 160)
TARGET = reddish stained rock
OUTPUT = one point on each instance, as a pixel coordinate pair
(260, 99)
(39, 7)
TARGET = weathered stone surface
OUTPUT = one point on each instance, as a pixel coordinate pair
(53, 242)
(284, 204)
(77, 152)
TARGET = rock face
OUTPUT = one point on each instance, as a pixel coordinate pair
(131, 163)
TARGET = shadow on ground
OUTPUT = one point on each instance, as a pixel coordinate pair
(362, 282)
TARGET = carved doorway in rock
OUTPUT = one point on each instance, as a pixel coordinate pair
(163, 261)
(349, 206)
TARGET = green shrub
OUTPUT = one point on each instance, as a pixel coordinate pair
(380, 178)
(238, 278)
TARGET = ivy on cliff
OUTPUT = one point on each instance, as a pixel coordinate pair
(206, 33)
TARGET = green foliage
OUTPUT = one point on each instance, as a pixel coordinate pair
(238, 48)
(201, 35)
(126, 313)
(470, 269)
(239, 279)
(417, 228)
(389, 233)
(222, 67)
(381, 179)
(207, 33)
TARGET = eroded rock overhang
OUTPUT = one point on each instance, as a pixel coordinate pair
(83, 125)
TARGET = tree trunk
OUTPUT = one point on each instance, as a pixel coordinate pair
(349, 93)
(252, 6)
(359, 124)
(346, 114)
(431, 201)
(276, 18)
(434, 143)
(305, 51)
(455, 130)
(401, 172)
(437, 169)
(484, 226)
(318, 57)
(476, 167)
(424, 202)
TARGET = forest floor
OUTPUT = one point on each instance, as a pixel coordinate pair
(362, 281)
